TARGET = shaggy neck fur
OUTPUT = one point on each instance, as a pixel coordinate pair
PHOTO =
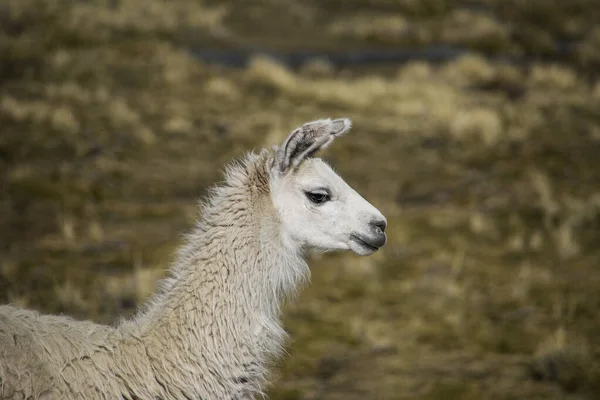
(220, 308)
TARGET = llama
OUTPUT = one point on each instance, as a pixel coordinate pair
(213, 329)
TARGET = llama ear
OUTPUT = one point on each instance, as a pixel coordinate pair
(306, 140)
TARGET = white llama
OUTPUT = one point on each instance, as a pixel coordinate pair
(215, 326)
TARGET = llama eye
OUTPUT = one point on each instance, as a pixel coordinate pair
(318, 197)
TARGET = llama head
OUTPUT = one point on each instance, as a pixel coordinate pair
(318, 209)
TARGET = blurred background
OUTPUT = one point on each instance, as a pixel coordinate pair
(476, 132)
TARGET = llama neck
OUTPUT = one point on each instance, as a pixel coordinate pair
(239, 265)
(221, 306)
(231, 276)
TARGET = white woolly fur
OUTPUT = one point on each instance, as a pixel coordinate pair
(214, 327)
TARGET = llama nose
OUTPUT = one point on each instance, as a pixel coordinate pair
(379, 226)
(378, 229)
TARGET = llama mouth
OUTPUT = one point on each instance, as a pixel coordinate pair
(364, 244)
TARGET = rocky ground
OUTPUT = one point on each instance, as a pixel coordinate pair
(486, 166)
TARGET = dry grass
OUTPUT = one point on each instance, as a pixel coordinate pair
(488, 287)
(536, 28)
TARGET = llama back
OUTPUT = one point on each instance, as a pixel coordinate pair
(47, 357)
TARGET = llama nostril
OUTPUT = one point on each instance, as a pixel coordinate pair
(379, 225)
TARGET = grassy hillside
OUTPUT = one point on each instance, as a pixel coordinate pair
(488, 172)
